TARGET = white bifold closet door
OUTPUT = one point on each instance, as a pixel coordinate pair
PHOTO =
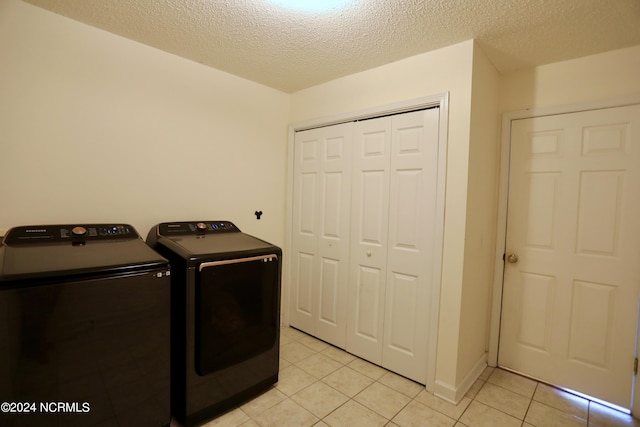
(363, 237)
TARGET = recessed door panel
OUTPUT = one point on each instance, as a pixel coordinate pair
(367, 303)
(604, 139)
(304, 278)
(329, 290)
(599, 209)
(592, 320)
(541, 223)
(372, 207)
(334, 148)
(374, 143)
(402, 293)
(364, 336)
(332, 226)
(307, 204)
(536, 295)
(407, 226)
(308, 150)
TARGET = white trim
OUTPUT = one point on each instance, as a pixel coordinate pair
(286, 264)
(438, 100)
(443, 137)
(507, 118)
(445, 391)
(454, 394)
(442, 102)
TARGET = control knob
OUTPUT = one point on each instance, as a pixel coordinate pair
(78, 231)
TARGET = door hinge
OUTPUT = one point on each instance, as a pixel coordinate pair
(635, 366)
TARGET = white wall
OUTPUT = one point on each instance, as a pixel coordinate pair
(98, 128)
(482, 201)
(610, 75)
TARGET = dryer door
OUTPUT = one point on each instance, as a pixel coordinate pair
(236, 311)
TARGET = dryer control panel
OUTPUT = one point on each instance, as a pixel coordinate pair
(196, 227)
(35, 234)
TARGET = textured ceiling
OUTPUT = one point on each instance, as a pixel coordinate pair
(289, 50)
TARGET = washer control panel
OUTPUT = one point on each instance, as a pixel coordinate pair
(196, 227)
(69, 233)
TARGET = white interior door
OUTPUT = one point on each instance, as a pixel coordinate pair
(320, 244)
(570, 299)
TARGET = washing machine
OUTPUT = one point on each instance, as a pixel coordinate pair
(225, 302)
(84, 328)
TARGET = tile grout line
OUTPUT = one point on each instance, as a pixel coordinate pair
(530, 403)
(484, 382)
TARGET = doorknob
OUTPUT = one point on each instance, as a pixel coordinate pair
(369, 253)
(513, 258)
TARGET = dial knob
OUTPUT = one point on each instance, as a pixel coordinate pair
(201, 226)
(79, 231)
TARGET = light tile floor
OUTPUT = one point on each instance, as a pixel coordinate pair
(321, 385)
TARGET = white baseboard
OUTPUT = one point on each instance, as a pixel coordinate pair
(454, 394)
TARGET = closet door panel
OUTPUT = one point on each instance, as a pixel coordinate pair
(413, 179)
(333, 242)
(304, 255)
(368, 254)
(320, 244)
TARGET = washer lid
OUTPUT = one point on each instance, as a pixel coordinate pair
(218, 244)
(70, 251)
(207, 239)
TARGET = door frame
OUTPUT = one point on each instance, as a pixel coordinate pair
(501, 230)
(440, 101)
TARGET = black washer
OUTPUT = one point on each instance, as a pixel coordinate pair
(84, 327)
(225, 302)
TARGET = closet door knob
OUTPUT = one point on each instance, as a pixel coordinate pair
(369, 254)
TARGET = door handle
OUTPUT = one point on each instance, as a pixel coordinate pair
(513, 258)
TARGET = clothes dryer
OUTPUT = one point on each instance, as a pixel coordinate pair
(225, 302)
